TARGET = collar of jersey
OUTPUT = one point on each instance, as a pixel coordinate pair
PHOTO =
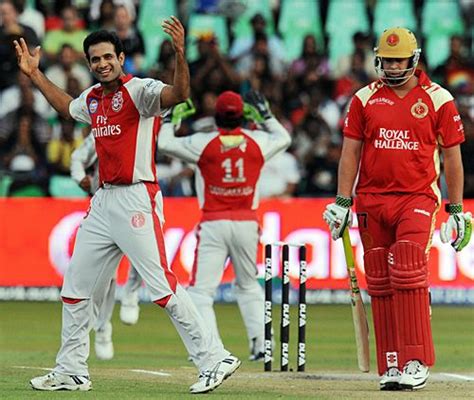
(123, 79)
(230, 132)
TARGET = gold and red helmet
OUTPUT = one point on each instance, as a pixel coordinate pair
(397, 43)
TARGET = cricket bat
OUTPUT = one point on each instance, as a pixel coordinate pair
(359, 317)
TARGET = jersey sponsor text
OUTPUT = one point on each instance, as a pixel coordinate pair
(395, 139)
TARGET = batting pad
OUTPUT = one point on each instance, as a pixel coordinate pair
(383, 311)
(409, 279)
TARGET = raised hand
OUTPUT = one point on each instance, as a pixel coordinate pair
(27, 62)
(175, 29)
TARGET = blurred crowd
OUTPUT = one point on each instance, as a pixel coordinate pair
(307, 80)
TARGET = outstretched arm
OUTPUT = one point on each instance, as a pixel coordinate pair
(180, 90)
(29, 65)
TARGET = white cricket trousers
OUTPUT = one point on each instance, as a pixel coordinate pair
(125, 220)
(216, 241)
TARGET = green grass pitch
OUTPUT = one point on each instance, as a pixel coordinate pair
(30, 336)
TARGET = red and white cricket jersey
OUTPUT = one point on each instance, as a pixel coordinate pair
(402, 136)
(228, 165)
(125, 125)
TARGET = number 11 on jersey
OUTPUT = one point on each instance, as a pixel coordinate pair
(229, 171)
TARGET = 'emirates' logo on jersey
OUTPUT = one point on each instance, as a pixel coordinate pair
(395, 139)
(419, 109)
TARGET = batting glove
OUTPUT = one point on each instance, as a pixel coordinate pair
(338, 216)
(458, 226)
(258, 100)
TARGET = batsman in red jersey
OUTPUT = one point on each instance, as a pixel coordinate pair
(393, 134)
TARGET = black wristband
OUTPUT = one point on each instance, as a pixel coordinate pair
(343, 201)
(453, 208)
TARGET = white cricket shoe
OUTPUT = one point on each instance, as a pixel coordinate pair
(56, 381)
(104, 348)
(129, 309)
(391, 379)
(212, 378)
(414, 375)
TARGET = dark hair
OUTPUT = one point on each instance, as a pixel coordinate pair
(101, 37)
(226, 122)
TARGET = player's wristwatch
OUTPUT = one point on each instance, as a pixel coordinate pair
(344, 201)
(453, 208)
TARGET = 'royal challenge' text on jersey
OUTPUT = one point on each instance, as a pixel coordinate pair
(402, 136)
(124, 124)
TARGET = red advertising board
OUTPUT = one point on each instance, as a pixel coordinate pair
(37, 238)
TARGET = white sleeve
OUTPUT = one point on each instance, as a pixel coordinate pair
(146, 94)
(188, 148)
(78, 108)
(83, 157)
(290, 168)
(272, 137)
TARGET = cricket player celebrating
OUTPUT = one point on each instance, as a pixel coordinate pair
(126, 213)
(228, 163)
(393, 133)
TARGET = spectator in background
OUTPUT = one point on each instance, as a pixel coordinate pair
(260, 48)
(10, 30)
(163, 68)
(321, 172)
(244, 45)
(12, 98)
(279, 176)
(67, 67)
(205, 120)
(316, 101)
(312, 138)
(101, 11)
(467, 150)
(457, 72)
(70, 34)
(353, 80)
(22, 100)
(363, 45)
(211, 71)
(104, 19)
(31, 17)
(23, 161)
(60, 149)
(310, 59)
(133, 45)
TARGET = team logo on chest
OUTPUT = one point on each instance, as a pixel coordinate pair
(117, 101)
(419, 109)
(93, 106)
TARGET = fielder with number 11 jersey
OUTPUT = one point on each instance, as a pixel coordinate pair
(228, 165)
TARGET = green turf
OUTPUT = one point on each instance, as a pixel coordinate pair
(30, 335)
